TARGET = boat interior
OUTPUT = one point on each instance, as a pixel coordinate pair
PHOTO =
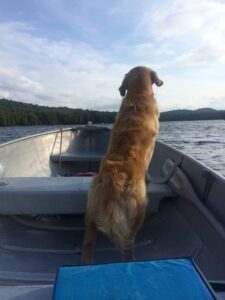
(42, 203)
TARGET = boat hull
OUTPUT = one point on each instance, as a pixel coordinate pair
(43, 200)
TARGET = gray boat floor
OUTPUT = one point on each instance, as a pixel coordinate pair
(31, 251)
(32, 248)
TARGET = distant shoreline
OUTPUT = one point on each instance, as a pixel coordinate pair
(202, 114)
(14, 113)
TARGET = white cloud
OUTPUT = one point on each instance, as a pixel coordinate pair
(176, 19)
(196, 28)
(57, 72)
(16, 85)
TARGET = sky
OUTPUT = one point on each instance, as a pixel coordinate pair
(75, 53)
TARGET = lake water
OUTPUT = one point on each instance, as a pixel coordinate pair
(204, 140)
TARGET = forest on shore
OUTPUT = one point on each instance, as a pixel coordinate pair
(14, 113)
(193, 115)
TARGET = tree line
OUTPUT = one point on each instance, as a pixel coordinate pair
(13, 113)
(193, 115)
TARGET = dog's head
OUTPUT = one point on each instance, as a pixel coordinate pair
(136, 72)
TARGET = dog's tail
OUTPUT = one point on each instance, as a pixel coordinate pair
(115, 222)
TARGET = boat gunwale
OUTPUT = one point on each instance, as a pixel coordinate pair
(195, 160)
(28, 137)
(76, 127)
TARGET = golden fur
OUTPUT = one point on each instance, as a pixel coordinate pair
(117, 197)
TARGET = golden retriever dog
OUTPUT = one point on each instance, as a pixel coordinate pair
(117, 197)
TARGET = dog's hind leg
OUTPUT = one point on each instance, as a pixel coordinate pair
(89, 241)
(128, 251)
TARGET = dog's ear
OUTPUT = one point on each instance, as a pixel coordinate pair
(123, 87)
(155, 79)
(122, 90)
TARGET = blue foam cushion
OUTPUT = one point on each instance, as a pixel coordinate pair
(171, 279)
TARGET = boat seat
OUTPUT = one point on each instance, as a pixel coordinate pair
(59, 195)
(82, 156)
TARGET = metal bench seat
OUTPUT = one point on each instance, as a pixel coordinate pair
(59, 195)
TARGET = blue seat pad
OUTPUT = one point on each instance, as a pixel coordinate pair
(170, 279)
